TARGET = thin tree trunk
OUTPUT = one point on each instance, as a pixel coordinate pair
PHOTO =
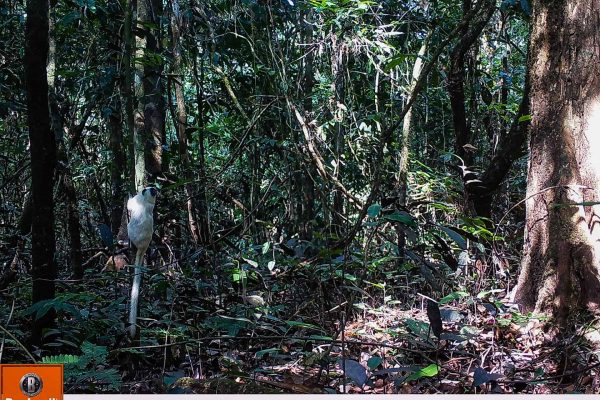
(338, 65)
(181, 122)
(43, 162)
(153, 104)
(64, 180)
(139, 129)
(118, 166)
(203, 215)
(402, 184)
(305, 180)
(127, 90)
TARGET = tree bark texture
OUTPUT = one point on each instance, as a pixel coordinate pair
(339, 59)
(511, 147)
(303, 178)
(456, 76)
(402, 182)
(127, 89)
(202, 204)
(64, 178)
(153, 103)
(560, 268)
(139, 129)
(43, 161)
(181, 122)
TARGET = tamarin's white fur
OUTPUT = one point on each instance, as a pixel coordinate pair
(139, 230)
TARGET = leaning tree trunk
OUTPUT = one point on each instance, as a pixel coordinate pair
(43, 162)
(561, 264)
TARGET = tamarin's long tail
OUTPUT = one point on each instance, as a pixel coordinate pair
(135, 293)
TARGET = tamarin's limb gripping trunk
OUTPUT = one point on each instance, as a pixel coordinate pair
(139, 229)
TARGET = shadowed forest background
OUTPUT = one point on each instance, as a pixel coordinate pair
(344, 197)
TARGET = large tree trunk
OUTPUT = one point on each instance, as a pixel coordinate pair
(561, 263)
(43, 161)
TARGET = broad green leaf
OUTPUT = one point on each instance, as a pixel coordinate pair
(397, 60)
(456, 237)
(453, 296)
(374, 362)
(525, 118)
(373, 210)
(339, 273)
(428, 371)
(403, 217)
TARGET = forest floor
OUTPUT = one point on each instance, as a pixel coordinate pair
(390, 351)
(304, 327)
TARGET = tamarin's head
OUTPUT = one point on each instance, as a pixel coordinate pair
(149, 194)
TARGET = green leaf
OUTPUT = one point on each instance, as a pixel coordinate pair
(403, 217)
(266, 247)
(251, 262)
(397, 60)
(428, 371)
(525, 118)
(373, 210)
(374, 362)
(340, 274)
(453, 296)
(456, 237)
(419, 328)
(261, 353)
(300, 324)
